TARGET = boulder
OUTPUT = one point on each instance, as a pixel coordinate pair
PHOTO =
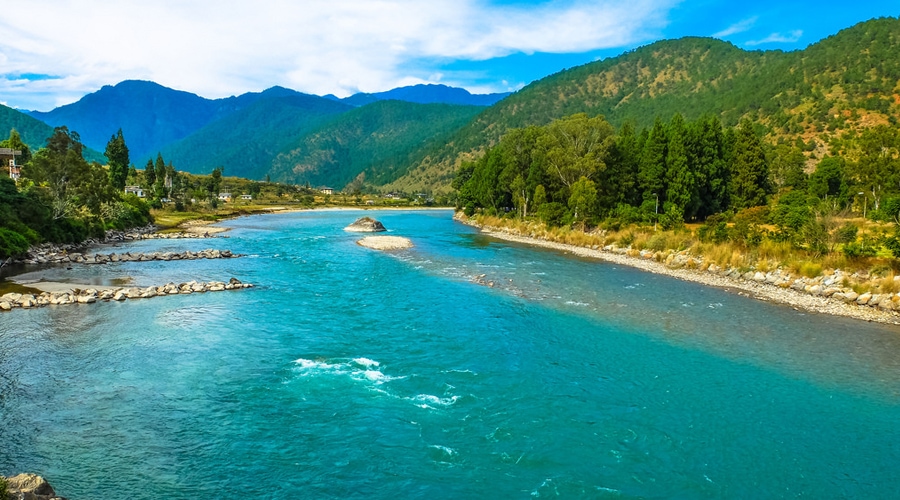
(365, 225)
(30, 486)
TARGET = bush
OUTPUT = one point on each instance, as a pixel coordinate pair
(714, 230)
(553, 214)
(12, 243)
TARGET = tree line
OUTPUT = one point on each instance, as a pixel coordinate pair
(580, 170)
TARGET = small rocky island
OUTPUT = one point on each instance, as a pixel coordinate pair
(366, 225)
(385, 242)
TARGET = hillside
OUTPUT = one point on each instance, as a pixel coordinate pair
(376, 140)
(427, 94)
(840, 84)
(246, 141)
(33, 131)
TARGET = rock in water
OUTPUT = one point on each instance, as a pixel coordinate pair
(30, 486)
(366, 225)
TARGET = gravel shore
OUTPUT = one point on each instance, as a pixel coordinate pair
(759, 290)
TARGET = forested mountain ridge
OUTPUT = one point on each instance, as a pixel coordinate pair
(246, 141)
(33, 131)
(427, 94)
(834, 87)
(150, 114)
(373, 144)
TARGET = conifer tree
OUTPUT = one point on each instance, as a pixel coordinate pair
(117, 154)
(749, 170)
(149, 176)
(681, 186)
(651, 174)
(706, 154)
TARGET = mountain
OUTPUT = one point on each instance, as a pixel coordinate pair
(33, 131)
(427, 94)
(844, 82)
(150, 115)
(246, 141)
(377, 140)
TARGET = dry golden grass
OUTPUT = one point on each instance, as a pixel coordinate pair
(769, 255)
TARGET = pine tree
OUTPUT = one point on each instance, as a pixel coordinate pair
(149, 176)
(681, 185)
(706, 154)
(652, 170)
(117, 154)
(749, 170)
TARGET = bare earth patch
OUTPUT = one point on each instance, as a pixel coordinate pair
(385, 242)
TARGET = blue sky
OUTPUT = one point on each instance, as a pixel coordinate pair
(52, 52)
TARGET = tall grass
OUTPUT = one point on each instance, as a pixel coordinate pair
(769, 255)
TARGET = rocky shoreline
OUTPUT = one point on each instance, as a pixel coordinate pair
(823, 294)
(64, 257)
(74, 295)
(56, 253)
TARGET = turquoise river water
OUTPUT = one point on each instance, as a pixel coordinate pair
(353, 373)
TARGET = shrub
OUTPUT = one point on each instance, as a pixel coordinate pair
(553, 214)
(11, 243)
(714, 230)
(657, 242)
(4, 489)
(810, 269)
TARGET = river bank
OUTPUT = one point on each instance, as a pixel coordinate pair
(819, 295)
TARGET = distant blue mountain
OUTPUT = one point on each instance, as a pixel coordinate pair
(151, 116)
(427, 94)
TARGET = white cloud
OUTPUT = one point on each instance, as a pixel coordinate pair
(218, 49)
(738, 27)
(791, 37)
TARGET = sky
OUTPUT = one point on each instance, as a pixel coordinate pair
(53, 52)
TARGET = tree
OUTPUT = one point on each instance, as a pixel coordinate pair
(520, 195)
(15, 142)
(617, 184)
(117, 154)
(706, 155)
(829, 181)
(149, 176)
(583, 198)
(576, 147)
(681, 183)
(652, 169)
(749, 170)
(214, 182)
(61, 168)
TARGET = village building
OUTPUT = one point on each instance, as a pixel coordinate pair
(226, 197)
(8, 160)
(135, 190)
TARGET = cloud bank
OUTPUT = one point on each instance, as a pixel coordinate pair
(52, 52)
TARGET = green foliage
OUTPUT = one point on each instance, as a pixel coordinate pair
(583, 199)
(4, 489)
(12, 243)
(714, 230)
(553, 213)
(749, 170)
(117, 155)
(379, 140)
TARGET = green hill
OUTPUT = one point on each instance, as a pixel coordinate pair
(246, 141)
(838, 85)
(33, 131)
(379, 141)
